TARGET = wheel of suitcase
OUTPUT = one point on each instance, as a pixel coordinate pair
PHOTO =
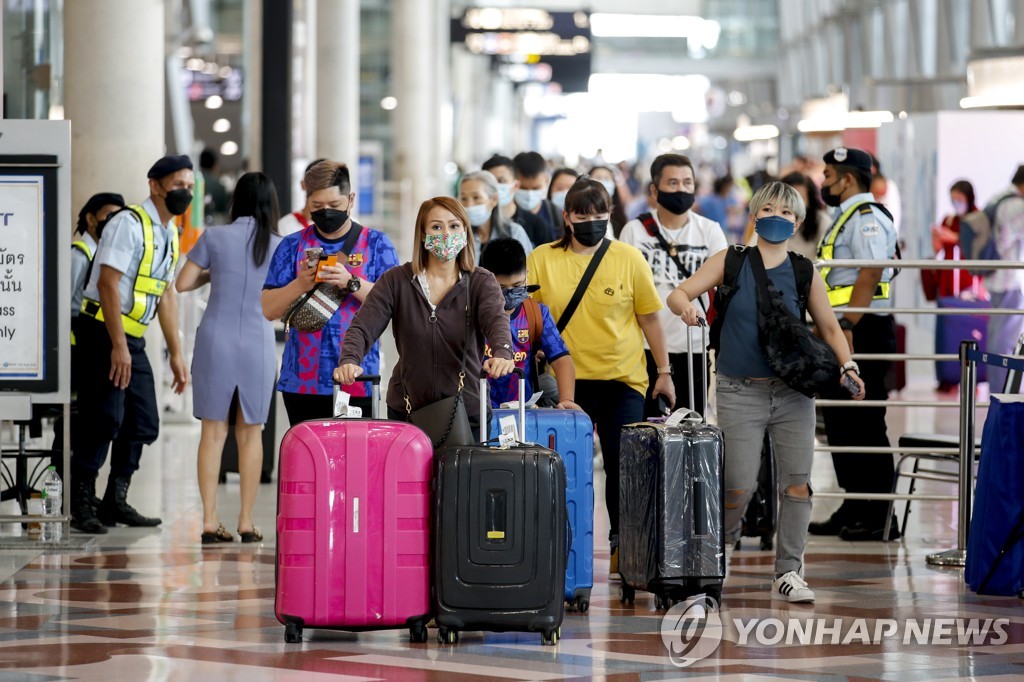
(292, 633)
(447, 636)
(714, 592)
(581, 604)
(550, 637)
(767, 542)
(418, 633)
(626, 594)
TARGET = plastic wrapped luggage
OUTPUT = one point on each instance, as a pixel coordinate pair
(570, 433)
(671, 541)
(500, 541)
(353, 531)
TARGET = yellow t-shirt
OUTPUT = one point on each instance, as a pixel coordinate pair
(603, 336)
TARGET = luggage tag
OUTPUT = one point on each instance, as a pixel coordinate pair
(342, 408)
(507, 438)
(514, 404)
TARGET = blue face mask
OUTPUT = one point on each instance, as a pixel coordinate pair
(558, 199)
(774, 229)
(514, 297)
(478, 214)
(505, 194)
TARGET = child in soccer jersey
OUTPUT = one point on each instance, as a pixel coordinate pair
(533, 329)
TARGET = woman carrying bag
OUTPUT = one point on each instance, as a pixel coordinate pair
(763, 383)
(441, 308)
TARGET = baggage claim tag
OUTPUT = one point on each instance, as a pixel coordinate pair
(507, 438)
(342, 409)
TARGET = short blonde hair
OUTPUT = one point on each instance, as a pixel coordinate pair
(778, 193)
(466, 259)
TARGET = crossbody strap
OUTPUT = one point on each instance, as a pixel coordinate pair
(581, 288)
(655, 231)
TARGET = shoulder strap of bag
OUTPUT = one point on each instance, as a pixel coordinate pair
(351, 238)
(757, 269)
(534, 320)
(652, 229)
(734, 257)
(581, 288)
(803, 270)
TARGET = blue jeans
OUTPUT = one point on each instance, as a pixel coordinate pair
(746, 407)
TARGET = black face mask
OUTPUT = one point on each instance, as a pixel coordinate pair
(178, 201)
(590, 232)
(101, 224)
(329, 219)
(676, 203)
(830, 199)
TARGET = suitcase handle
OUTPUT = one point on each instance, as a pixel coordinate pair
(704, 366)
(374, 380)
(485, 396)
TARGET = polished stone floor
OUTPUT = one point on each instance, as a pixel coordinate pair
(156, 605)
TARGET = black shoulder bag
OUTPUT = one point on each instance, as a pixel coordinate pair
(445, 421)
(314, 309)
(805, 362)
(581, 288)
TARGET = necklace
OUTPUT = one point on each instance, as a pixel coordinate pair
(672, 243)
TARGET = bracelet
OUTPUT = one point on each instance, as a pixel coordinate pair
(665, 370)
(851, 366)
(845, 324)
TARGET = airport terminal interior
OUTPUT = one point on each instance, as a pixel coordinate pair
(922, 101)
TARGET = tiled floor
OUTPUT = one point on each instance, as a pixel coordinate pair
(155, 605)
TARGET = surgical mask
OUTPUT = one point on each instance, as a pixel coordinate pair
(445, 246)
(960, 207)
(329, 219)
(529, 199)
(514, 297)
(774, 229)
(830, 199)
(505, 193)
(590, 232)
(178, 201)
(558, 199)
(676, 203)
(478, 215)
(608, 185)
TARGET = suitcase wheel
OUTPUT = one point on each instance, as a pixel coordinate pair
(767, 542)
(627, 594)
(418, 633)
(447, 636)
(292, 633)
(581, 604)
(550, 637)
(662, 602)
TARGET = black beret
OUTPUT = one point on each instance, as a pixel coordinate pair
(168, 165)
(855, 158)
(98, 201)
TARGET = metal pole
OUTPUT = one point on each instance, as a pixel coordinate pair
(957, 557)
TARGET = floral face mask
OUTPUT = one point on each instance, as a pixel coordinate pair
(445, 246)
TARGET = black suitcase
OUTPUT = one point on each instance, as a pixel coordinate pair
(500, 542)
(229, 456)
(671, 539)
(763, 508)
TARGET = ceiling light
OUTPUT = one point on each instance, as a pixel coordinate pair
(229, 148)
(389, 103)
(221, 125)
(838, 121)
(680, 143)
(214, 102)
(703, 32)
(752, 133)
(997, 99)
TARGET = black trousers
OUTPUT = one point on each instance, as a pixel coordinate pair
(865, 426)
(611, 405)
(681, 369)
(122, 420)
(305, 406)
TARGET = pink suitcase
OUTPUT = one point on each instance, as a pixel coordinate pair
(353, 526)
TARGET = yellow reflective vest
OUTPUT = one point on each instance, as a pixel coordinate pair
(841, 295)
(145, 284)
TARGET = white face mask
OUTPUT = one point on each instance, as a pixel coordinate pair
(505, 193)
(478, 215)
(529, 199)
(608, 185)
(558, 199)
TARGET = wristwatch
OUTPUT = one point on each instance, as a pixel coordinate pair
(353, 284)
(845, 324)
(665, 370)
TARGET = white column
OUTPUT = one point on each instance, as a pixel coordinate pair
(414, 40)
(337, 81)
(117, 124)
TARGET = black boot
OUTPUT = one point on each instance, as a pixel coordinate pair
(83, 513)
(114, 508)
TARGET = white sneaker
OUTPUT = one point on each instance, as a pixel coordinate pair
(792, 588)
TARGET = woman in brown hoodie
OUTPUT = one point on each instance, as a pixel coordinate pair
(425, 302)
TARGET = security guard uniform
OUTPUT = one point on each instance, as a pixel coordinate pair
(137, 244)
(861, 231)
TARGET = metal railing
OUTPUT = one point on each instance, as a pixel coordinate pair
(967, 405)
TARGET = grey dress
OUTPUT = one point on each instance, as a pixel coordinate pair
(235, 343)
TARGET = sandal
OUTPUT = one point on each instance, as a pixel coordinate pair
(252, 536)
(217, 536)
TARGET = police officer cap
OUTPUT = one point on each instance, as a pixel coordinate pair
(98, 201)
(855, 158)
(168, 165)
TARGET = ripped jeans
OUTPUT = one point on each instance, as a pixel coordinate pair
(746, 407)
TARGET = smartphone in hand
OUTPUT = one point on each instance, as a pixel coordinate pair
(850, 385)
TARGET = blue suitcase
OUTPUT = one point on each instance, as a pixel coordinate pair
(571, 434)
(950, 330)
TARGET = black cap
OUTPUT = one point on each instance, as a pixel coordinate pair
(854, 158)
(168, 165)
(1018, 177)
(95, 203)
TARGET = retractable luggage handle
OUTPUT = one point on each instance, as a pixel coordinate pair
(485, 394)
(702, 323)
(374, 380)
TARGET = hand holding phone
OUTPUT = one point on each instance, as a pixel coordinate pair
(850, 384)
(325, 261)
